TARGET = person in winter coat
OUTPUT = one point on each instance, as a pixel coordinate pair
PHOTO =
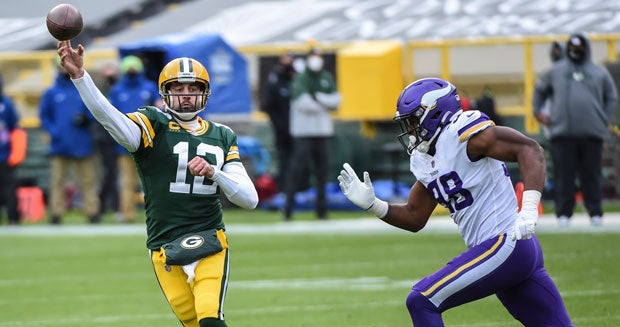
(67, 120)
(12, 154)
(313, 98)
(276, 102)
(583, 99)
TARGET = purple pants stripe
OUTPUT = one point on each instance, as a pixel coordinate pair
(513, 271)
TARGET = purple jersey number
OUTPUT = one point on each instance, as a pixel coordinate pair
(449, 192)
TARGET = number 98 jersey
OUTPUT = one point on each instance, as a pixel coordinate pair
(477, 191)
(176, 201)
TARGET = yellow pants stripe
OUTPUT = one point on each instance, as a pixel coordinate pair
(465, 266)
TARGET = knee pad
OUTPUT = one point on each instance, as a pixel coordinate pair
(418, 302)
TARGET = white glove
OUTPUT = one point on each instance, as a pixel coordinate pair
(361, 194)
(528, 216)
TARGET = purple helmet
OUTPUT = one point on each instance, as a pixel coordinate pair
(422, 109)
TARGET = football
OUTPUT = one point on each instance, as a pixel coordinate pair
(64, 22)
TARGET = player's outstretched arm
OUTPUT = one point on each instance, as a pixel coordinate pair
(411, 216)
(122, 129)
(414, 214)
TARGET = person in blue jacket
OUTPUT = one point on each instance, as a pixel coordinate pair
(67, 120)
(9, 124)
(132, 91)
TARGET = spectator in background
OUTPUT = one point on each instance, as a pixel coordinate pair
(68, 122)
(132, 91)
(107, 149)
(313, 97)
(583, 99)
(276, 102)
(556, 53)
(486, 104)
(465, 101)
(12, 153)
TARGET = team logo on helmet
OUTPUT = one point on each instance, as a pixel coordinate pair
(429, 99)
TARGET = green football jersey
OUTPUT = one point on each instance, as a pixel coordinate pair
(176, 201)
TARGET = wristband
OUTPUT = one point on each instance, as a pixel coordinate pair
(379, 208)
(530, 200)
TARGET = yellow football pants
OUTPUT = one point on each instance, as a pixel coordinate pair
(202, 298)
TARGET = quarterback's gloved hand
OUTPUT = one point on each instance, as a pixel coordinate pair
(361, 194)
(528, 216)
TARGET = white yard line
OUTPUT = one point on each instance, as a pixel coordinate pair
(318, 283)
(440, 224)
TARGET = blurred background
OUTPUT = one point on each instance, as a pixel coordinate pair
(373, 47)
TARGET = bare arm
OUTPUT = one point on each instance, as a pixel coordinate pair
(507, 144)
(414, 214)
(411, 216)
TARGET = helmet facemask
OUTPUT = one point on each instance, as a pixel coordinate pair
(185, 106)
(409, 124)
(422, 110)
(414, 135)
(184, 88)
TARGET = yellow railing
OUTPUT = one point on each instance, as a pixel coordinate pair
(32, 72)
(27, 74)
(529, 76)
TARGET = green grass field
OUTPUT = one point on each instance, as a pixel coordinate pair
(304, 279)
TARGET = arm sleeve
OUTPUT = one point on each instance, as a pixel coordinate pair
(542, 90)
(268, 94)
(610, 97)
(305, 103)
(19, 145)
(237, 185)
(45, 114)
(122, 129)
(329, 100)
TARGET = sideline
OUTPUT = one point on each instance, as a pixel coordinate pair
(439, 224)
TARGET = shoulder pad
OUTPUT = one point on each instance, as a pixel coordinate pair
(471, 122)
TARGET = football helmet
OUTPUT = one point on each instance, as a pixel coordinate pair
(184, 70)
(422, 110)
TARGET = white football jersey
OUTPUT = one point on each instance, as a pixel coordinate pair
(477, 191)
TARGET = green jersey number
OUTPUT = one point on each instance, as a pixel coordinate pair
(197, 187)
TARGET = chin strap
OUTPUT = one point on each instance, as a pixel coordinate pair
(424, 146)
(184, 116)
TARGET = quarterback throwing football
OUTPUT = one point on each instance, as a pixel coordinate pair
(458, 160)
(185, 230)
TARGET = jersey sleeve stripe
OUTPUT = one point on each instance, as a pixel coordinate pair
(145, 125)
(474, 127)
(233, 153)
